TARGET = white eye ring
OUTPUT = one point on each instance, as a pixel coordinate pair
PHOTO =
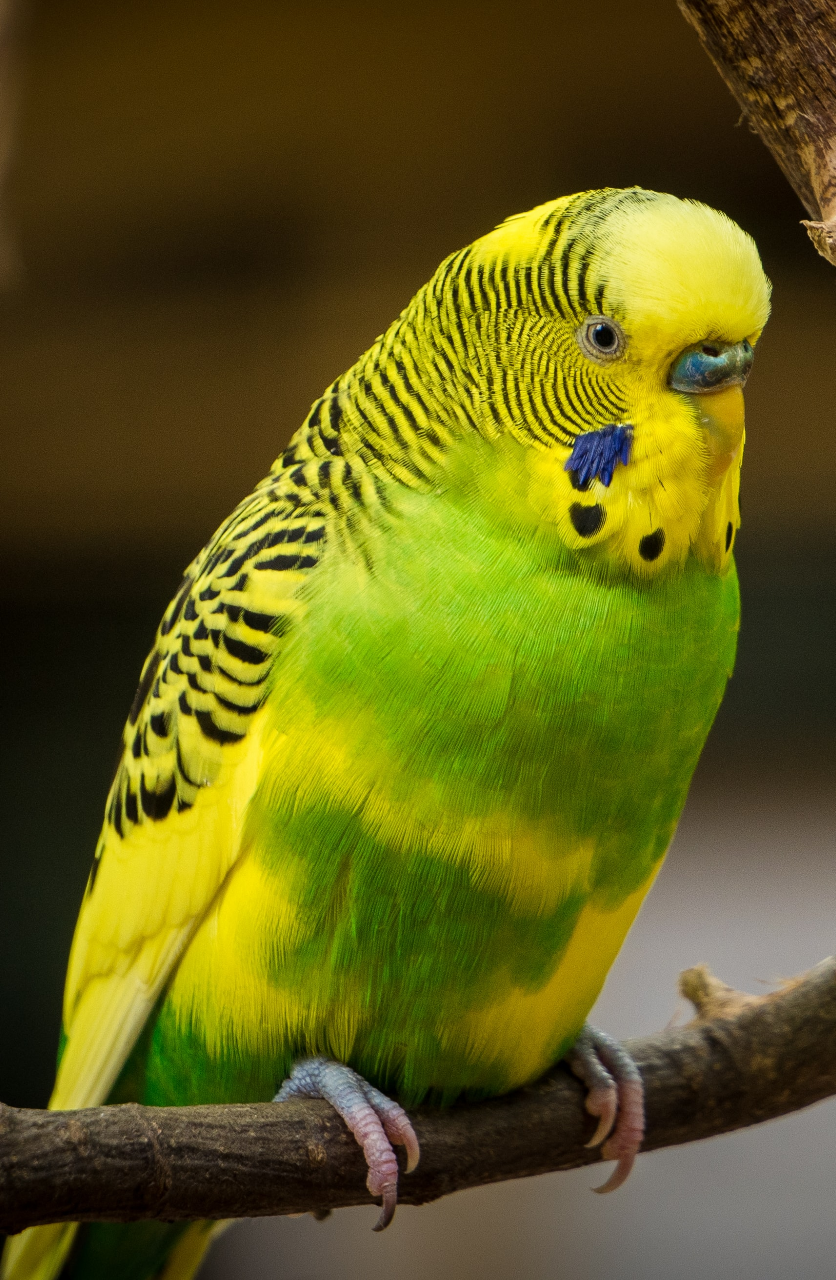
(601, 338)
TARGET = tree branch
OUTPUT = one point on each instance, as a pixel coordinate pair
(742, 1060)
(778, 57)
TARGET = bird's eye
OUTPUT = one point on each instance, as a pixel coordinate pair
(601, 338)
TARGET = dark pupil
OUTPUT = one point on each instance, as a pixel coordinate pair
(603, 336)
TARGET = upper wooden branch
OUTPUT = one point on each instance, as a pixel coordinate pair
(778, 57)
(742, 1060)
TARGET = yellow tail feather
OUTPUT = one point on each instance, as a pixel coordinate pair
(187, 1254)
(38, 1253)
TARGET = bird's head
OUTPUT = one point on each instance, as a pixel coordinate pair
(611, 334)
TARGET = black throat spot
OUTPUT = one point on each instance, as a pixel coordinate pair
(650, 547)
(586, 521)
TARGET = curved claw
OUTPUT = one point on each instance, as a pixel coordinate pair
(413, 1150)
(602, 1102)
(390, 1204)
(619, 1175)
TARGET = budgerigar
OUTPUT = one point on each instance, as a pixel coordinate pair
(418, 726)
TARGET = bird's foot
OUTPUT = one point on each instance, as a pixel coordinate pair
(375, 1120)
(616, 1096)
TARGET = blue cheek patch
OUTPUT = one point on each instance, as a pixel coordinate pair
(596, 455)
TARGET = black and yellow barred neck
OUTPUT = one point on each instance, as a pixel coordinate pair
(487, 345)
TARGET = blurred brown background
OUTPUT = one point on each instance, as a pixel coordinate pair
(214, 208)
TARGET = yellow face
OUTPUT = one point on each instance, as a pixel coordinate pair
(657, 305)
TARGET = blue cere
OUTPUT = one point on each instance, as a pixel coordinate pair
(597, 453)
(711, 367)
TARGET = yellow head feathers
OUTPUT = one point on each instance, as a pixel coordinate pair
(617, 325)
(671, 271)
(628, 316)
(680, 272)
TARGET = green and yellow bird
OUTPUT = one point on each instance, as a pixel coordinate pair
(418, 726)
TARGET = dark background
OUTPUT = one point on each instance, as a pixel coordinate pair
(215, 208)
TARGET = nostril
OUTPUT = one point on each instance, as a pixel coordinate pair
(711, 351)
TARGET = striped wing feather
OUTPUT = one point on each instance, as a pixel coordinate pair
(190, 762)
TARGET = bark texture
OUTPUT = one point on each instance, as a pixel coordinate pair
(742, 1060)
(778, 57)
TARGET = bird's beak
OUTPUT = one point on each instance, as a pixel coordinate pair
(714, 373)
(721, 414)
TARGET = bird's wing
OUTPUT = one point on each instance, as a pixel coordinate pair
(191, 758)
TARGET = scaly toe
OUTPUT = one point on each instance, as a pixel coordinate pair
(616, 1096)
(374, 1120)
(396, 1122)
(624, 1145)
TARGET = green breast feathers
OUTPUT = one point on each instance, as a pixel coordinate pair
(418, 727)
